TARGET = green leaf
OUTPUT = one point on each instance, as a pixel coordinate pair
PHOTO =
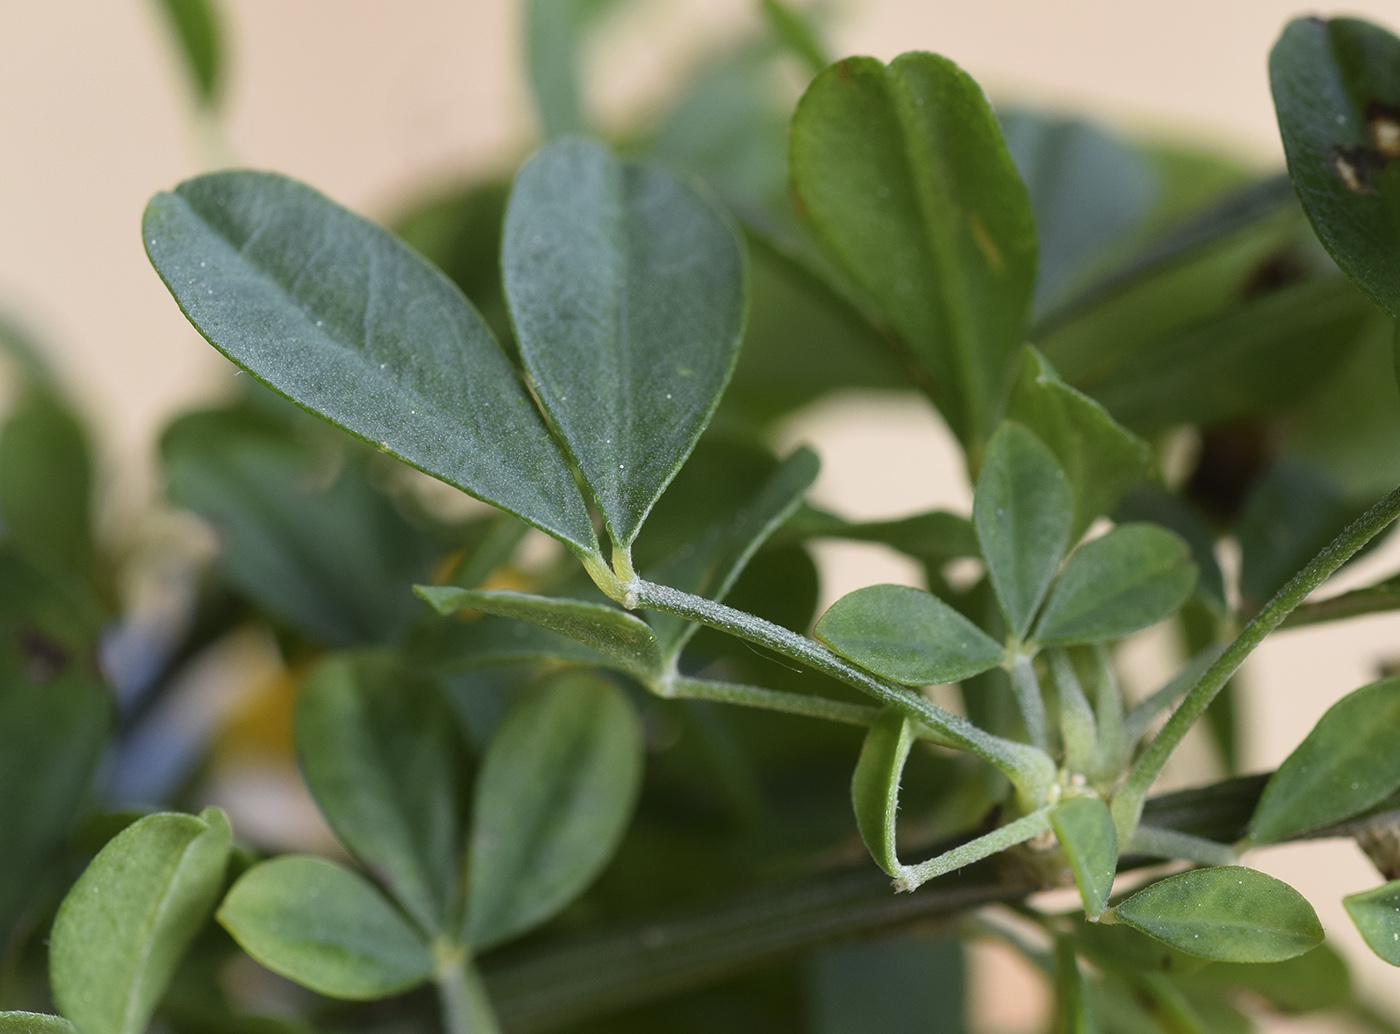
(627, 640)
(34, 1023)
(325, 927)
(1072, 1012)
(377, 752)
(1336, 87)
(554, 35)
(711, 566)
(196, 29)
(342, 318)
(902, 173)
(126, 922)
(1102, 459)
(1228, 913)
(627, 290)
(1376, 914)
(46, 479)
(553, 798)
(1311, 982)
(893, 985)
(907, 635)
(1117, 584)
(875, 786)
(795, 29)
(451, 647)
(1347, 763)
(1085, 830)
(935, 537)
(54, 715)
(1023, 510)
(1154, 504)
(334, 561)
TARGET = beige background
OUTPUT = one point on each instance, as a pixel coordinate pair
(370, 100)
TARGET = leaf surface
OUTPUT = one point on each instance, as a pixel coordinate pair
(1023, 510)
(325, 927)
(875, 786)
(1228, 913)
(1347, 763)
(376, 749)
(1117, 584)
(128, 919)
(1376, 914)
(902, 174)
(627, 289)
(1084, 827)
(907, 635)
(345, 320)
(554, 795)
(34, 1023)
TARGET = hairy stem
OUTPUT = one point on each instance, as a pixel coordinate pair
(1078, 728)
(1170, 843)
(1030, 769)
(466, 1008)
(999, 839)
(1026, 688)
(1127, 804)
(771, 699)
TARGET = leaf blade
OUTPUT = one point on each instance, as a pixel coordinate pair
(875, 786)
(1376, 914)
(1086, 832)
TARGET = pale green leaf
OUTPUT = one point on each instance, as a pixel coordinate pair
(875, 786)
(325, 927)
(1228, 913)
(902, 173)
(345, 320)
(553, 798)
(1117, 584)
(1023, 510)
(907, 635)
(128, 919)
(1084, 827)
(377, 751)
(1347, 763)
(627, 289)
(34, 1023)
(1376, 914)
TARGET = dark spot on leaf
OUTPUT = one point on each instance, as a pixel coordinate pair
(1232, 457)
(44, 659)
(1274, 271)
(1353, 167)
(1383, 126)
(843, 72)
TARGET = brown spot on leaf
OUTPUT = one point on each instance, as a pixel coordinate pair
(1383, 125)
(44, 658)
(1353, 167)
(843, 72)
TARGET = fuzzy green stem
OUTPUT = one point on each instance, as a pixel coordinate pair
(1171, 843)
(1031, 770)
(1127, 803)
(771, 699)
(1026, 687)
(1108, 701)
(1078, 728)
(466, 1008)
(1013, 833)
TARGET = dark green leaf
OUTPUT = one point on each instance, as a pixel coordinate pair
(1088, 190)
(1102, 459)
(1117, 584)
(627, 290)
(907, 635)
(1348, 762)
(342, 318)
(335, 561)
(627, 640)
(1023, 510)
(875, 786)
(895, 985)
(54, 714)
(554, 795)
(377, 752)
(935, 537)
(1229, 914)
(46, 479)
(466, 643)
(1072, 1012)
(1086, 833)
(902, 173)
(325, 927)
(710, 566)
(1336, 87)
(1153, 503)
(196, 30)
(128, 919)
(34, 1023)
(1376, 914)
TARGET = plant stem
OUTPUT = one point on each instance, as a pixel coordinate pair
(1013, 833)
(1026, 687)
(1078, 728)
(771, 699)
(1127, 803)
(1171, 843)
(466, 1008)
(1030, 769)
